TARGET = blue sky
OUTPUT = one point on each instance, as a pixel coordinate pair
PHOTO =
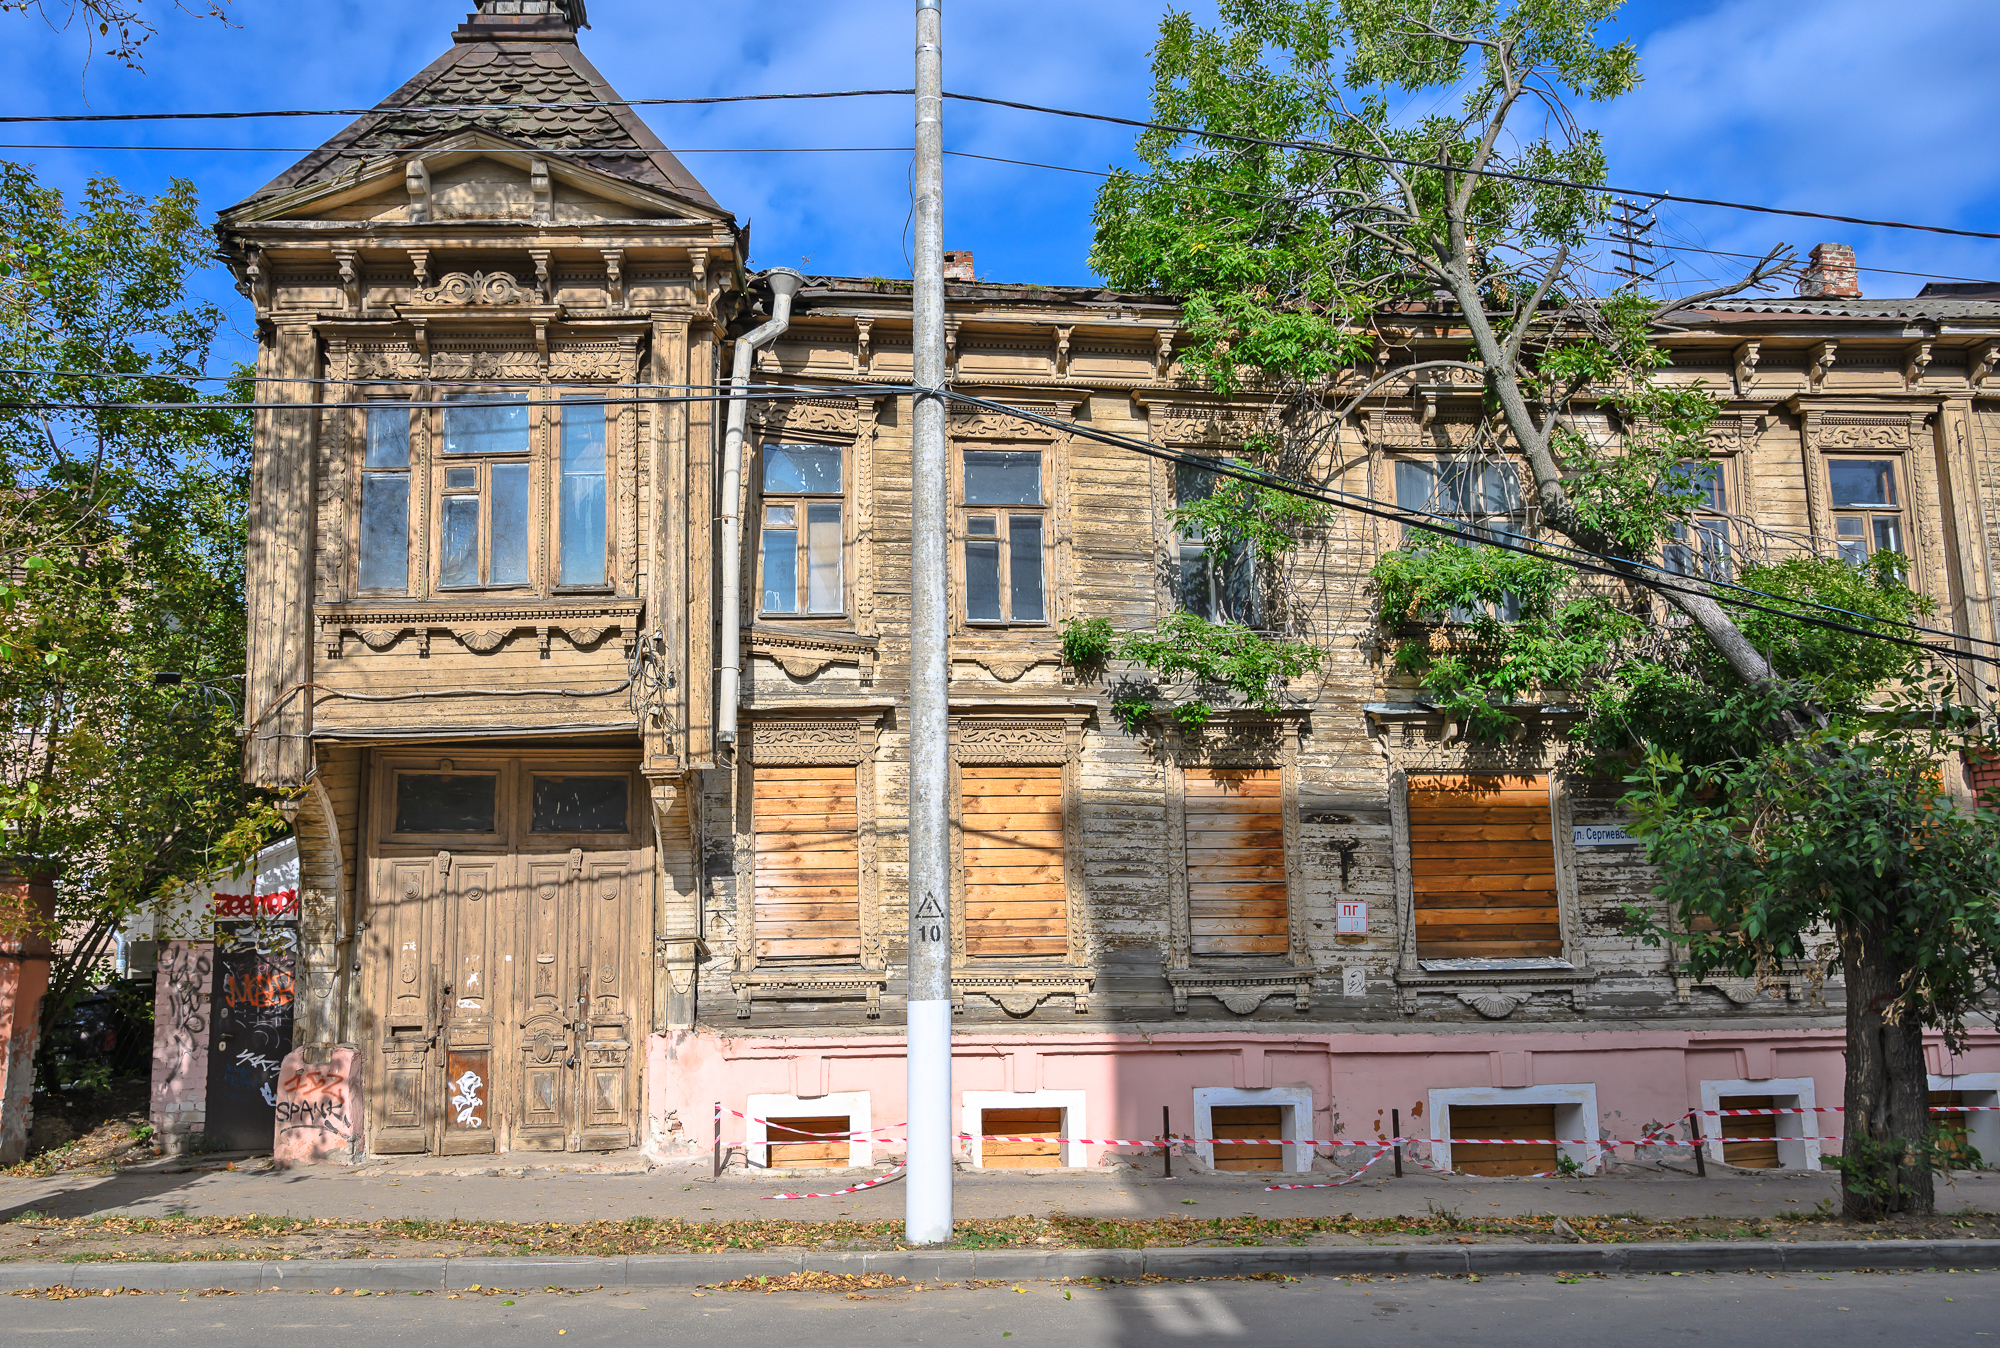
(1851, 106)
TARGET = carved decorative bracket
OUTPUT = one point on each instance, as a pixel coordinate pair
(1822, 360)
(864, 355)
(614, 275)
(540, 188)
(1163, 360)
(803, 654)
(349, 260)
(1062, 350)
(1984, 360)
(420, 263)
(1746, 366)
(1242, 992)
(479, 630)
(1915, 360)
(417, 181)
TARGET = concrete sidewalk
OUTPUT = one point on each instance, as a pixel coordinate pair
(568, 1191)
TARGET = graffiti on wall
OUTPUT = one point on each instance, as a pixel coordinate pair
(252, 1031)
(181, 1014)
(313, 1100)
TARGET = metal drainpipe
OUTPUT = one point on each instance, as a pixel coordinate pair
(784, 284)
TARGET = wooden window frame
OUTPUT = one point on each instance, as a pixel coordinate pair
(827, 743)
(1054, 534)
(553, 422)
(1902, 510)
(414, 473)
(849, 510)
(1408, 759)
(1707, 520)
(1284, 759)
(1178, 546)
(1021, 743)
(513, 801)
(536, 458)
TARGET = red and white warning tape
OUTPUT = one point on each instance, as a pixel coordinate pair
(897, 1173)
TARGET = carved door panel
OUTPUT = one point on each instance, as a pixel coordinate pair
(547, 987)
(404, 957)
(471, 892)
(611, 928)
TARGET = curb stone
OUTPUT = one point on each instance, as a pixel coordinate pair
(692, 1270)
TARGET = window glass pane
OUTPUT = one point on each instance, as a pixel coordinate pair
(982, 582)
(1003, 477)
(823, 548)
(1024, 568)
(582, 495)
(802, 469)
(1196, 597)
(1499, 489)
(781, 517)
(581, 804)
(458, 560)
(1237, 577)
(1414, 483)
(458, 479)
(1888, 534)
(781, 570)
(983, 526)
(509, 560)
(1861, 482)
(385, 531)
(388, 437)
(499, 426)
(429, 802)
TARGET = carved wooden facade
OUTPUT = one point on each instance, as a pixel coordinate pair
(425, 256)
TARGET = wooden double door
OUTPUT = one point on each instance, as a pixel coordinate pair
(506, 980)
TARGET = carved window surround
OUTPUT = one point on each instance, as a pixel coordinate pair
(1194, 422)
(1023, 739)
(481, 629)
(1892, 427)
(1417, 738)
(1239, 983)
(848, 741)
(850, 423)
(1009, 651)
(803, 652)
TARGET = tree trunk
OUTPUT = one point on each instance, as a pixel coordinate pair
(1885, 1166)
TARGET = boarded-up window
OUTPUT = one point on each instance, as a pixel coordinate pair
(1759, 1150)
(810, 1141)
(1236, 861)
(1523, 1139)
(1034, 1123)
(808, 864)
(1011, 824)
(1482, 855)
(1244, 1124)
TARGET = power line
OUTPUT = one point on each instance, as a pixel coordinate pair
(429, 109)
(1320, 147)
(1340, 152)
(408, 149)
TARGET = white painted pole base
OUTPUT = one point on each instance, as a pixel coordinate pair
(927, 1187)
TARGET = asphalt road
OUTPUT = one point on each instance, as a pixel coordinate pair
(1497, 1312)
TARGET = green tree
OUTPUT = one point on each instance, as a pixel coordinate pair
(121, 560)
(1363, 175)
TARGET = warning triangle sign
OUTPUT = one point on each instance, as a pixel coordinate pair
(929, 907)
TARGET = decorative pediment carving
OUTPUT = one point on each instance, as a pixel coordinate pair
(808, 743)
(1242, 991)
(1020, 994)
(479, 365)
(484, 641)
(481, 631)
(1862, 430)
(803, 654)
(811, 416)
(461, 288)
(388, 363)
(379, 638)
(586, 364)
(974, 423)
(1021, 744)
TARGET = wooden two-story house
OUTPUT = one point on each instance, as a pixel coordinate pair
(559, 893)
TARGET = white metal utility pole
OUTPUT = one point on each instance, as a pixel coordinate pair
(927, 1195)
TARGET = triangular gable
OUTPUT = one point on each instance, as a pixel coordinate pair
(512, 84)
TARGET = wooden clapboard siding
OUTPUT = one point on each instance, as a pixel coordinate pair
(1244, 1121)
(1011, 832)
(1951, 1130)
(808, 863)
(1045, 1123)
(1483, 865)
(1237, 899)
(1509, 1158)
(789, 1146)
(1762, 1154)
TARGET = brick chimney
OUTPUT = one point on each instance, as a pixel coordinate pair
(1830, 274)
(958, 267)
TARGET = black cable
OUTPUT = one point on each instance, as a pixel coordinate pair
(1321, 147)
(426, 109)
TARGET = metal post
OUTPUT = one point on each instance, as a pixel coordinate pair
(716, 1171)
(1396, 1130)
(1167, 1139)
(1700, 1147)
(927, 1187)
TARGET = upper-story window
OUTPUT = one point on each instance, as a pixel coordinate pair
(1004, 524)
(804, 533)
(1473, 495)
(1218, 581)
(1867, 507)
(1700, 545)
(385, 502)
(582, 541)
(485, 504)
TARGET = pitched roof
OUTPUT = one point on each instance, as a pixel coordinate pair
(1921, 306)
(512, 85)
